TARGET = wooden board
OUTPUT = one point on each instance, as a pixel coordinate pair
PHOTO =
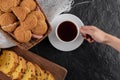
(58, 72)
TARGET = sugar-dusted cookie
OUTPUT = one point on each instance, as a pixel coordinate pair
(40, 29)
(20, 12)
(30, 72)
(7, 18)
(6, 5)
(10, 27)
(30, 4)
(22, 35)
(30, 22)
(19, 70)
(39, 15)
(8, 61)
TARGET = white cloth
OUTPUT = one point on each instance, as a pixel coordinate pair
(50, 7)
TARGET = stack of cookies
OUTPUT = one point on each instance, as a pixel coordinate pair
(22, 20)
(18, 68)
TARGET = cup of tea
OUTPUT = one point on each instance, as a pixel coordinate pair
(67, 31)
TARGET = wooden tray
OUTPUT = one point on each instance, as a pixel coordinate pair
(32, 42)
(58, 72)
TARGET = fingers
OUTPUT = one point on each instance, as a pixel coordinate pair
(87, 32)
(90, 40)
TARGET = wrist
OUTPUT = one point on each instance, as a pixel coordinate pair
(108, 39)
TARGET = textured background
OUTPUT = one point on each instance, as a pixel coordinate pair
(90, 61)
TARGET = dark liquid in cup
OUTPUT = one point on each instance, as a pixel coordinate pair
(67, 31)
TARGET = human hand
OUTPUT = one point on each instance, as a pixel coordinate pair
(92, 33)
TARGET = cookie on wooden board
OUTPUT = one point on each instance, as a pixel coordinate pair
(7, 18)
(30, 22)
(22, 35)
(41, 28)
(20, 12)
(6, 5)
(30, 4)
(10, 27)
(39, 15)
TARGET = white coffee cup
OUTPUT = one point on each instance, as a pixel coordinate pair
(67, 31)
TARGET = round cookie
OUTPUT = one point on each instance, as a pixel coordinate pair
(22, 35)
(7, 18)
(40, 29)
(30, 22)
(39, 15)
(30, 4)
(6, 5)
(20, 12)
(1, 12)
(10, 27)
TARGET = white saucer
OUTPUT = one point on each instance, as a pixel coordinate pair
(56, 42)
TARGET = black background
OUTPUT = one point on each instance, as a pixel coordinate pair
(90, 61)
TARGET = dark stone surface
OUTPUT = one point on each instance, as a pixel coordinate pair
(90, 61)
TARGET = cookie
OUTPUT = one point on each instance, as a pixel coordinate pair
(30, 72)
(8, 61)
(30, 22)
(19, 70)
(22, 35)
(30, 4)
(6, 5)
(20, 13)
(7, 18)
(10, 27)
(1, 12)
(40, 29)
(39, 15)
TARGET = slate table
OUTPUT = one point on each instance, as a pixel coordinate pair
(90, 61)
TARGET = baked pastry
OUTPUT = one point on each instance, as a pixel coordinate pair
(10, 27)
(30, 4)
(20, 12)
(1, 12)
(39, 73)
(30, 72)
(30, 22)
(39, 15)
(22, 35)
(40, 29)
(8, 61)
(6, 5)
(19, 70)
(7, 18)
(48, 76)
